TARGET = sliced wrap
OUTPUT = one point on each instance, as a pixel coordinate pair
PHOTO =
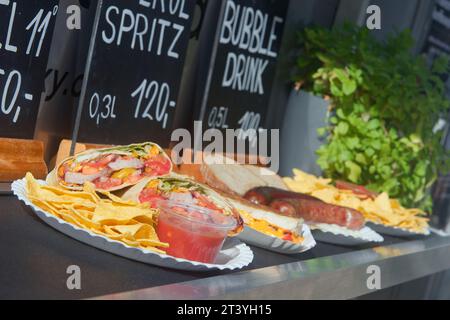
(181, 189)
(112, 168)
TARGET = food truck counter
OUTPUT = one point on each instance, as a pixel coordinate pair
(36, 258)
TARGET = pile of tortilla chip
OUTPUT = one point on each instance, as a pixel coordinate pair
(381, 210)
(100, 212)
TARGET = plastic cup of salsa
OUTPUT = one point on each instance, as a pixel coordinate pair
(192, 232)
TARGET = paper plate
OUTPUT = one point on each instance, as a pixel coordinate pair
(234, 255)
(394, 231)
(335, 234)
(258, 239)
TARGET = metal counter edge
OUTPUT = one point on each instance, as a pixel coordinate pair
(343, 276)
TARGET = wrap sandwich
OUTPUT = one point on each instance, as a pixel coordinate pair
(180, 189)
(111, 169)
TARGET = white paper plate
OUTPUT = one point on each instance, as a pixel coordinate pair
(258, 239)
(394, 231)
(334, 234)
(234, 255)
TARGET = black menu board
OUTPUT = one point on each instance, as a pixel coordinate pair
(247, 43)
(26, 28)
(134, 73)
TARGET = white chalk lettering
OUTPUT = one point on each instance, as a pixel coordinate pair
(8, 45)
(176, 8)
(105, 38)
(171, 52)
(273, 37)
(246, 27)
(39, 27)
(244, 73)
(123, 26)
(251, 30)
(164, 24)
(139, 32)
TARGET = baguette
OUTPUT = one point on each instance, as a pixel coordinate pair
(228, 176)
(270, 178)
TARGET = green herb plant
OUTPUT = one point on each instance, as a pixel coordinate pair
(385, 103)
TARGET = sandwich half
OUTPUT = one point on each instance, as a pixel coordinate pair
(266, 220)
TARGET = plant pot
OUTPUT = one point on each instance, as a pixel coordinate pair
(305, 113)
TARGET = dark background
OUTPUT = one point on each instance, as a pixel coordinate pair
(31, 68)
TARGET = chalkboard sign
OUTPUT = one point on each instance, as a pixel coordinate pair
(132, 81)
(26, 29)
(243, 68)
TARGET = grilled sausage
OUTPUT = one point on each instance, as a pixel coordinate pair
(265, 195)
(257, 197)
(319, 212)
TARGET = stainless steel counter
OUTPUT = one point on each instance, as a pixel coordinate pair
(342, 276)
(35, 258)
